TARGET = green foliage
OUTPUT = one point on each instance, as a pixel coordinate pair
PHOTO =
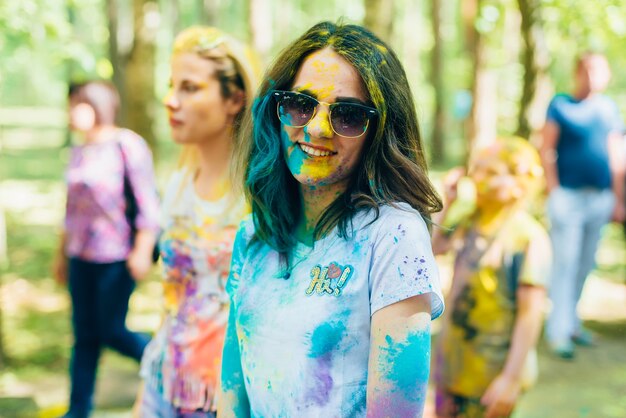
(573, 27)
(45, 42)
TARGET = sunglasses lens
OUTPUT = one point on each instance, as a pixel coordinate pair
(296, 109)
(349, 120)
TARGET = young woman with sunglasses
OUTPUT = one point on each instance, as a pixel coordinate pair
(333, 282)
(211, 84)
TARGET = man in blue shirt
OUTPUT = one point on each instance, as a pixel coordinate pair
(585, 178)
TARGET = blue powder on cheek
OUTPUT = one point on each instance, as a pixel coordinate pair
(293, 155)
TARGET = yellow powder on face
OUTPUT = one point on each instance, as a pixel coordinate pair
(317, 170)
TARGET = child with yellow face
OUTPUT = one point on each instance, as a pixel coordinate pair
(486, 357)
(505, 172)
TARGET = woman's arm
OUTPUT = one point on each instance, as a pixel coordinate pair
(547, 152)
(618, 170)
(140, 257)
(399, 360)
(141, 179)
(501, 395)
(233, 398)
(59, 264)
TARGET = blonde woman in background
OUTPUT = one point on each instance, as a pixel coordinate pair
(211, 86)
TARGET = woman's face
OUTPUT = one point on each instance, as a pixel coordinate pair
(315, 155)
(593, 74)
(82, 116)
(196, 109)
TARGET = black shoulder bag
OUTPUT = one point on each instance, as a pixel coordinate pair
(132, 210)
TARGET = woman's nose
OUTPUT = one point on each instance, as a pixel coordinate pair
(170, 100)
(319, 126)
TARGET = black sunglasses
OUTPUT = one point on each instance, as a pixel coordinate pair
(349, 120)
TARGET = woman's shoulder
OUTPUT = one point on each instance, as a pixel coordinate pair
(388, 217)
(246, 229)
(132, 142)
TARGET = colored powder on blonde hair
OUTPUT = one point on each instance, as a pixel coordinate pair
(237, 68)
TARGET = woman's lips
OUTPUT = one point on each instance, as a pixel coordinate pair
(315, 150)
(175, 122)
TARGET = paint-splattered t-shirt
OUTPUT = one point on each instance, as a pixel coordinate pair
(477, 331)
(304, 335)
(182, 362)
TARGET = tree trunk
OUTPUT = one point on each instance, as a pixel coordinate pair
(139, 72)
(210, 10)
(379, 17)
(535, 60)
(482, 123)
(436, 74)
(173, 13)
(115, 55)
(4, 259)
(260, 21)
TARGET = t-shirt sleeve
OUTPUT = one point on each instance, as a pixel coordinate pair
(240, 247)
(552, 114)
(403, 264)
(537, 259)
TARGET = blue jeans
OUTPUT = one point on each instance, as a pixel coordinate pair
(100, 294)
(577, 217)
(154, 406)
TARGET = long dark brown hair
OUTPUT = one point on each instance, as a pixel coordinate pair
(392, 168)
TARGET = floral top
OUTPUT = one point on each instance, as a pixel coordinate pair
(96, 226)
(476, 335)
(183, 360)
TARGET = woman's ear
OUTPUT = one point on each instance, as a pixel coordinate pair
(236, 102)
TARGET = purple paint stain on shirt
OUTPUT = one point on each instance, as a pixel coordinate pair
(325, 340)
(323, 381)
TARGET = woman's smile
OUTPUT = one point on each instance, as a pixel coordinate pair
(315, 150)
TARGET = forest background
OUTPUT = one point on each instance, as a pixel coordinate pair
(477, 68)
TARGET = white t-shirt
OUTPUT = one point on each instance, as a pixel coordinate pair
(183, 360)
(305, 340)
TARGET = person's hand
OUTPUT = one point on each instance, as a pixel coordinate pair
(500, 396)
(59, 269)
(619, 212)
(451, 183)
(139, 263)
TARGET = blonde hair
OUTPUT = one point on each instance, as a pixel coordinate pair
(236, 69)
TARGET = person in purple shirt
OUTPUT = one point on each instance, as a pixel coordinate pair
(585, 177)
(104, 249)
